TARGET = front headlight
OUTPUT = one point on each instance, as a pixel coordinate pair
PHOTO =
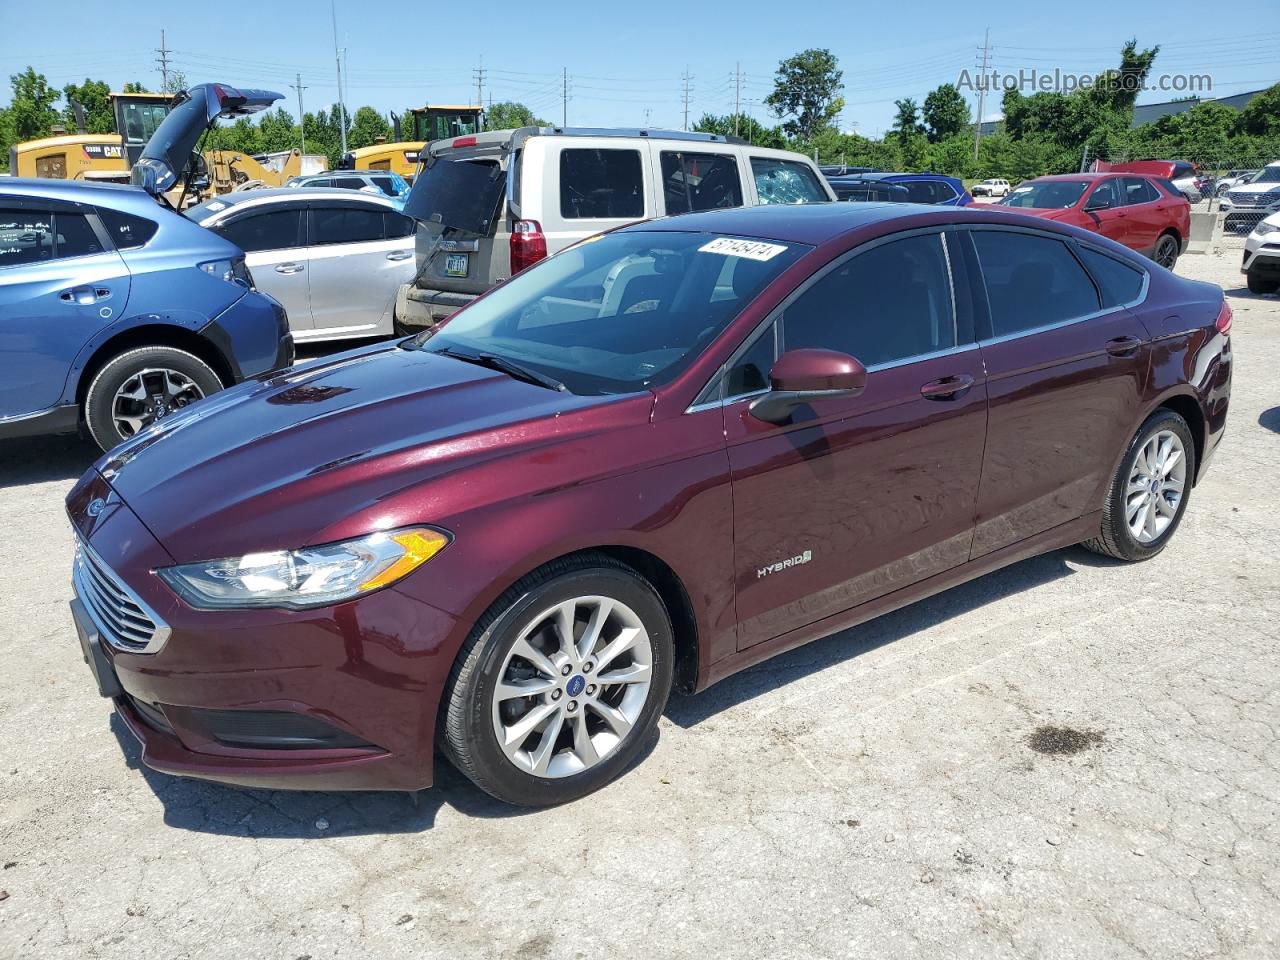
(310, 577)
(1264, 228)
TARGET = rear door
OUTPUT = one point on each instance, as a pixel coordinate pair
(60, 283)
(1065, 376)
(273, 238)
(359, 254)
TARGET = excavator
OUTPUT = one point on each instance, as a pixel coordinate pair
(425, 124)
(110, 156)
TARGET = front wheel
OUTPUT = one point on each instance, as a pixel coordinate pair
(561, 683)
(1260, 284)
(138, 387)
(1149, 492)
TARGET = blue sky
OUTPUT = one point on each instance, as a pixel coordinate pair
(625, 61)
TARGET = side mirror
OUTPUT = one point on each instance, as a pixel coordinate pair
(1100, 203)
(802, 376)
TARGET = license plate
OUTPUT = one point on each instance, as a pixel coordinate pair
(91, 646)
(455, 265)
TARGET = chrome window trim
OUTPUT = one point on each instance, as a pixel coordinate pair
(774, 315)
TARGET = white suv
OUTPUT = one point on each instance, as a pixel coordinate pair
(1262, 256)
(1248, 203)
(995, 187)
(491, 204)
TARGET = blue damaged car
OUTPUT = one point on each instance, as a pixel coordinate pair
(115, 310)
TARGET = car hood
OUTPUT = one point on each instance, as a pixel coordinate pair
(1044, 213)
(166, 154)
(1266, 187)
(280, 462)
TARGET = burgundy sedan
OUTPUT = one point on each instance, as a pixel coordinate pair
(662, 455)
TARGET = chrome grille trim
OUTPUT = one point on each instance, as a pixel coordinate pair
(121, 616)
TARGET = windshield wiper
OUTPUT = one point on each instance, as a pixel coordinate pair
(509, 367)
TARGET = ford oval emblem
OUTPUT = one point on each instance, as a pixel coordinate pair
(96, 506)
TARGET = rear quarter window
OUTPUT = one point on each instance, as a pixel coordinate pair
(1118, 282)
(126, 230)
(597, 184)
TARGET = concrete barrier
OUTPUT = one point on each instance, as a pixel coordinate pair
(1203, 228)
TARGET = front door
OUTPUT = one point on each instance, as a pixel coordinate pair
(1111, 220)
(59, 285)
(1065, 381)
(274, 244)
(858, 497)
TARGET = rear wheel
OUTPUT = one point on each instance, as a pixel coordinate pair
(1149, 492)
(561, 683)
(1166, 252)
(138, 387)
(1260, 284)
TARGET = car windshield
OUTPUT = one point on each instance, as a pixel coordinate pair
(619, 312)
(1269, 175)
(1047, 194)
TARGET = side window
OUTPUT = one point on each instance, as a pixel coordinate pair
(126, 230)
(919, 191)
(385, 185)
(786, 181)
(349, 183)
(74, 237)
(942, 191)
(600, 184)
(750, 372)
(1032, 281)
(396, 225)
(1139, 190)
(889, 303)
(25, 237)
(699, 181)
(319, 183)
(268, 230)
(1119, 282)
(345, 224)
(1108, 193)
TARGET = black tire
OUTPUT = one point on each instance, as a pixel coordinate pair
(1166, 251)
(98, 414)
(467, 729)
(1115, 539)
(1260, 284)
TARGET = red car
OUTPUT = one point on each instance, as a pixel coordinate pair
(1145, 213)
(654, 459)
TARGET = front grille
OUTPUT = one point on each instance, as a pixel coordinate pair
(1242, 199)
(124, 620)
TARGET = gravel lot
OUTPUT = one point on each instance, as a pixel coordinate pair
(881, 793)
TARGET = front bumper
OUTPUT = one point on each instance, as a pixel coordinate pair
(1262, 256)
(340, 698)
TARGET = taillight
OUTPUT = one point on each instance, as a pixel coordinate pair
(1223, 323)
(528, 245)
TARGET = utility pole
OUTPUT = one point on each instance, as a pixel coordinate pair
(982, 90)
(301, 124)
(684, 96)
(648, 112)
(737, 95)
(163, 60)
(337, 57)
(564, 97)
(478, 73)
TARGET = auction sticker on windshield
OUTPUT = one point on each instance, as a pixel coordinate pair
(751, 249)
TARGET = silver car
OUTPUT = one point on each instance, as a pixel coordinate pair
(334, 258)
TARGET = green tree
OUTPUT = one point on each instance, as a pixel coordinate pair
(945, 112)
(31, 110)
(134, 86)
(367, 125)
(278, 131)
(807, 89)
(906, 124)
(1261, 115)
(175, 83)
(510, 115)
(746, 127)
(94, 97)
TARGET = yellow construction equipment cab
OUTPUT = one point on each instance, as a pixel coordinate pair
(425, 124)
(94, 156)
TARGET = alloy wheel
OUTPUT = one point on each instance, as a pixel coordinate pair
(1155, 488)
(149, 395)
(572, 686)
(1167, 252)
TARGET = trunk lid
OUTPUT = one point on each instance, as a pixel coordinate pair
(167, 153)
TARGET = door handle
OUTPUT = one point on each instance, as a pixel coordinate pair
(1123, 346)
(947, 388)
(83, 296)
(400, 255)
(288, 268)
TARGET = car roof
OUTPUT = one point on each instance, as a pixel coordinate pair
(887, 174)
(299, 194)
(115, 196)
(1066, 177)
